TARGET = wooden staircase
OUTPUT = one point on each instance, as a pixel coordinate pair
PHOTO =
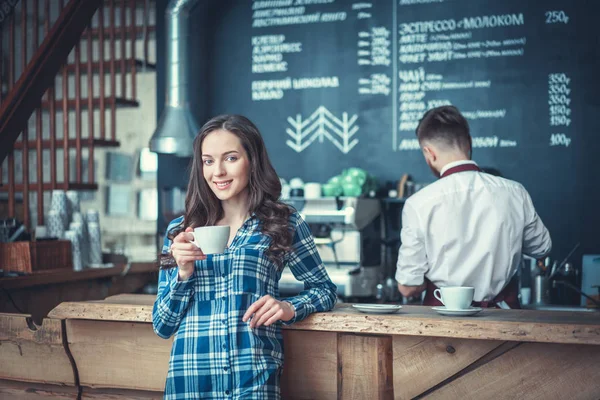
(59, 96)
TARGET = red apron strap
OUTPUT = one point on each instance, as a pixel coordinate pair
(429, 299)
(510, 294)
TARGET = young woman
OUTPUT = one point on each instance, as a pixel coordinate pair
(224, 309)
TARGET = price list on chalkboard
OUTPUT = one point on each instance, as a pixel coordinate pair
(375, 67)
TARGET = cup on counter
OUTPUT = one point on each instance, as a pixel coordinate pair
(211, 239)
(455, 297)
(525, 295)
(41, 232)
(312, 190)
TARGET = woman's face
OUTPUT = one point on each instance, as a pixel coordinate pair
(226, 167)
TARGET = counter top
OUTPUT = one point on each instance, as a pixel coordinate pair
(490, 324)
(53, 276)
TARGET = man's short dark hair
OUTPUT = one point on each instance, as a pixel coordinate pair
(446, 126)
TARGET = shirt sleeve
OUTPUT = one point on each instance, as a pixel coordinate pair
(536, 238)
(412, 259)
(319, 292)
(173, 297)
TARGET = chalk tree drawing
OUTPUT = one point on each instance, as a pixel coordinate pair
(322, 124)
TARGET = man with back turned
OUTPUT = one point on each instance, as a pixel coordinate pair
(468, 228)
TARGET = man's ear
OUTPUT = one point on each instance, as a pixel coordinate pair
(430, 153)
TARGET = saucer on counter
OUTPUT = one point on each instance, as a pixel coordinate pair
(457, 313)
(377, 308)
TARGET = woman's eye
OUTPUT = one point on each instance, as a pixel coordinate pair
(231, 158)
(207, 162)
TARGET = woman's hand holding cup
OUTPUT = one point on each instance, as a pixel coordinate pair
(185, 253)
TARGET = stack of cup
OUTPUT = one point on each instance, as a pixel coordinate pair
(60, 205)
(73, 205)
(95, 243)
(92, 216)
(75, 239)
(54, 224)
(77, 218)
(77, 227)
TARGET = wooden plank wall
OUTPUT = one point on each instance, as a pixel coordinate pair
(131, 361)
(34, 353)
(126, 355)
(361, 367)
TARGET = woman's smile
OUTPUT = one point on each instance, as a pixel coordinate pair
(222, 185)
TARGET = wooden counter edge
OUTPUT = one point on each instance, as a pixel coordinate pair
(102, 312)
(463, 328)
(61, 275)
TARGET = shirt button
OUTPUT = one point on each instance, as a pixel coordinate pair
(222, 275)
(225, 369)
(224, 298)
(224, 346)
(223, 321)
(227, 392)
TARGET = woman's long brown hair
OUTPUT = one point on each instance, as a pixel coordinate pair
(203, 208)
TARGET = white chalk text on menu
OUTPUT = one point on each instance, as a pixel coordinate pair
(397, 61)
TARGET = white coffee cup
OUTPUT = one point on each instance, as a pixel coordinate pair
(525, 295)
(211, 239)
(312, 190)
(455, 297)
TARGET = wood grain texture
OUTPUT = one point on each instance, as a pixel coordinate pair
(310, 366)
(531, 371)
(132, 299)
(365, 368)
(124, 355)
(33, 354)
(421, 363)
(12, 390)
(102, 312)
(490, 324)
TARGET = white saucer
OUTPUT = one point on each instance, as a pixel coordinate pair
(377, 308)
(462, 313)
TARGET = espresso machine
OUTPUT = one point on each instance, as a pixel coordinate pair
(347, 232)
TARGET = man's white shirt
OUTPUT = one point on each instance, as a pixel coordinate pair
(469, 229)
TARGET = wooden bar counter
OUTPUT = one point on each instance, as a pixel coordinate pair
(38, 293)
(107, 350)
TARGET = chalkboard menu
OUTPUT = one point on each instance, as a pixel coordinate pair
(339, 83)
(335, 83)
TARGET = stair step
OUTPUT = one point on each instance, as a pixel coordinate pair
(58, 143)
(83, 103)
(139, 64)
(48, 186)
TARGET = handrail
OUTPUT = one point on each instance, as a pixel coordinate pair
(25, 96)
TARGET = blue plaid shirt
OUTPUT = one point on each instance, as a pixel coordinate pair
(215, 355)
